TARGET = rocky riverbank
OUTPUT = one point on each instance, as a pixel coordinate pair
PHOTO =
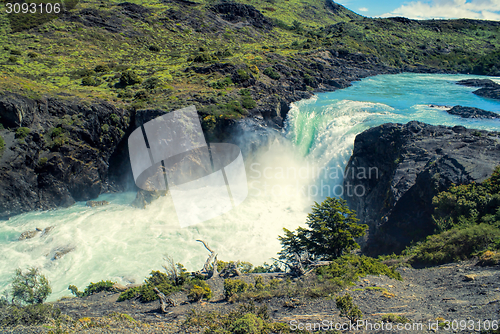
(410, 164)
(458, 291)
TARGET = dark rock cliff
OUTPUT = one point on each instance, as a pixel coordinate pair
(399, 168)
(63, 154)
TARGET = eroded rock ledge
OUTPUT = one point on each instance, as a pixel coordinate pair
(414, 162)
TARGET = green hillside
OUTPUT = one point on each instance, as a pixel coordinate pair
(85, 49)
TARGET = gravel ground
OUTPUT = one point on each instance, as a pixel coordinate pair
(460, 291)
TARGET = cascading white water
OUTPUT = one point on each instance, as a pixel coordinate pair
(122, 243)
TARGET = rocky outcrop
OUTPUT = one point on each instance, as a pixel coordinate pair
(65, 155)
(489, 88)
(236, 12)
(94, 204)
(470, 112)
(396, 169)
(31, 234)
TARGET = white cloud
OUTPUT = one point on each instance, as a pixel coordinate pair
(363, 9)
(448, 9)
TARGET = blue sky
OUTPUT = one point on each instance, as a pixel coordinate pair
(427, 9)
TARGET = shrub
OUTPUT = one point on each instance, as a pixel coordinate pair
(270, 72)
(395, 318)
(22, 133)
(349, 268)
(101, 68)
(151, 83)
(13, 59)
(32, 55)
(248, 102)
(154, 48)
(308, 80)
(159, 280)
(91, 81)
(223, 83)
(56, 132)
(129, 294)
(42, 161)
(248, 324)
(93, 288)
(454, 245)
(234, 286)
(489, 258)
(2, 143)
(16, 52)
(243, 75)
(105, 128)
(348, 309)
(30, 315)
(129, 78)
(31, 287)
(199, 290)
(247, 319)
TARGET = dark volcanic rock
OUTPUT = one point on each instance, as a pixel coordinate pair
(477, 83)
(235, 12)
(490, 89)
(64, 158)
(469, 112)
(410, 164)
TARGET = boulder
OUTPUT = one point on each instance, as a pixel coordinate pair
(469, 112)
(396, 169)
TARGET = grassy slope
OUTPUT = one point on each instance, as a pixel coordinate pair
(54, 56)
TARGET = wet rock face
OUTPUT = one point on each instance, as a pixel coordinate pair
(409, 165)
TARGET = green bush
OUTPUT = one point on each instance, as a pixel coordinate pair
(270, 72)
(93, 288)
(22, 133)
(243, 74)
(2, 143)
(395, 319)
(151, 83)
(42, 161)
(30, 287)
(30, 315)
(56, 132)
(455, 245)
(129, 294)
(129, 78)
(199, 290)
(465, 205)
(248, 324)
(248, 102)
(349, 268)
(91, 81)
(221, 84)
(13, 59)
(348, 309)
(101, 69)
(105, 128)
(247, 319)
(234, 286)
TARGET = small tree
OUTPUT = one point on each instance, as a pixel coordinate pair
(348, 309)
(31, 287)
(332, 229)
